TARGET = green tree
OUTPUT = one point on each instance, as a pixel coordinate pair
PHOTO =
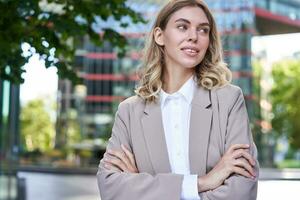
(285, 98)
(54, 28)
(69, 131)
(257, 73)
(37, 129)
(263, 134)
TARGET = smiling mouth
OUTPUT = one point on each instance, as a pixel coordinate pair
(190, 51)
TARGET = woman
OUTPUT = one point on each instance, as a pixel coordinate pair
(185, 134)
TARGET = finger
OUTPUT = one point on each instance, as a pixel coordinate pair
(124, 158)
(132, 167)
(238, 146)
(107, 166)
(116, 163)
(120, 155)
(242, 153)
(110, 167)
(241, 162)
(129, 154)
(243, 172)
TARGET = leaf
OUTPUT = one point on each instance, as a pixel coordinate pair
(25, 21)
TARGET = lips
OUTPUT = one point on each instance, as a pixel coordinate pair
(191, 51)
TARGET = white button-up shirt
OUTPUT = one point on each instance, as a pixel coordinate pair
(176, 110)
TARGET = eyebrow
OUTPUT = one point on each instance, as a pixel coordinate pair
(187, 21)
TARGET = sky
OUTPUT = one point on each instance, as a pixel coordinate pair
(277, 46)
(42, 83)
(39, 81)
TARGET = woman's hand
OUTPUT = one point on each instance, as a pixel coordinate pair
(235, 160)
(123, 160)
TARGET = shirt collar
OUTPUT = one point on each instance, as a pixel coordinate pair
(186, 90)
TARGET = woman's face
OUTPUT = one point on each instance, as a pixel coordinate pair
(185, 38)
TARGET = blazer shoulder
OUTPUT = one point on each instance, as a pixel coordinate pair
(135, 102)
(229, 89)
(228, 94)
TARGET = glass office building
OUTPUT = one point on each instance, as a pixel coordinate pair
(108, 79)
(236, 24)
(288, 8)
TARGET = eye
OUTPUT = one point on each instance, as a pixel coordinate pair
(182, 27)
(204, 30)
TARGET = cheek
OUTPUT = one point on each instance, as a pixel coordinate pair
(205, 45)
(173, 38)
(206, 42)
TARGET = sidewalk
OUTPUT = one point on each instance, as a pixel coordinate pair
(43, 186)
(278, 190)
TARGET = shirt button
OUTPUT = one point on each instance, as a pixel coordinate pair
(176, 126)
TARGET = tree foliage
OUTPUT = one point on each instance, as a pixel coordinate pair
(285, 98)
(37, 129)
(53, 28)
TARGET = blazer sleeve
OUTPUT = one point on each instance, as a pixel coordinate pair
(237, 187)
(118, 185)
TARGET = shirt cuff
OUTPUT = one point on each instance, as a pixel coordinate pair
(190, 188)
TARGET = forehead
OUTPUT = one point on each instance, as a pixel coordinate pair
(193, 14)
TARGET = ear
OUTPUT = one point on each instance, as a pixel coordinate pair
(158, 36)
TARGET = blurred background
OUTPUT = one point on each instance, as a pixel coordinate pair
(66, 65)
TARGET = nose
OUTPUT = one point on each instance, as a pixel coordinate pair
(193, 36)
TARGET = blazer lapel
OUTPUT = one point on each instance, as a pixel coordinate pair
(155, 138)
(200, 125)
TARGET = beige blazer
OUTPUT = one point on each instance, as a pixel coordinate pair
(218, 120)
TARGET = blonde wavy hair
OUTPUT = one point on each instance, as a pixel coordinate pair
(210, 73)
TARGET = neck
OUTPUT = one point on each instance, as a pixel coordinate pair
(173, 80)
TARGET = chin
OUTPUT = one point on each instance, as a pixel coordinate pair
(191, 61)
(190, 65)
